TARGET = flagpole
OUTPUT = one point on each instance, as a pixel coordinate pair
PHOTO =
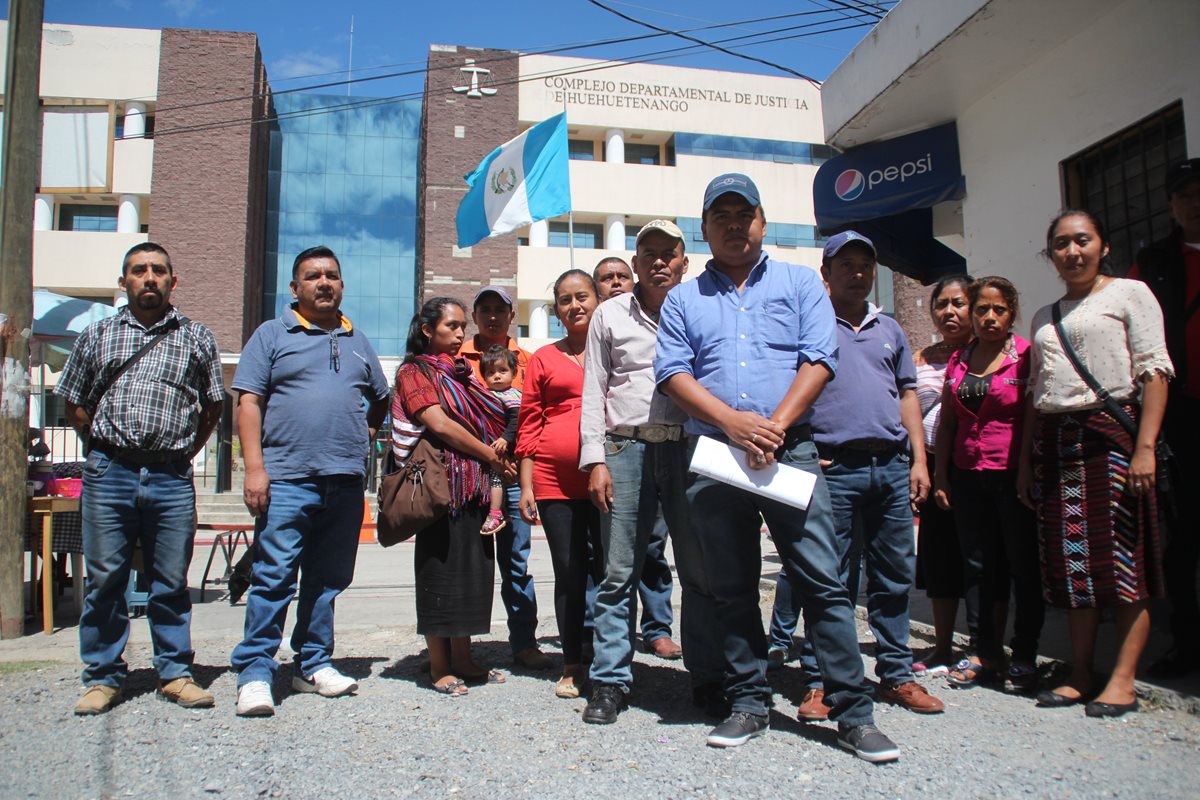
(571, 212)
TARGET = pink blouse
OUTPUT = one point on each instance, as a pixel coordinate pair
(991, 439)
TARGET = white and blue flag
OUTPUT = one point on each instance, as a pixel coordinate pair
(521, 181)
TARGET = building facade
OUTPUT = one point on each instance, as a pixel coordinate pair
(1075, 103)
(644, 141)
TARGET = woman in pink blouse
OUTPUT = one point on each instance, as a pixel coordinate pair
(552, 486)
(978, 447)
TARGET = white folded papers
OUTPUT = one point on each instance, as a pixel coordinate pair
(727, 464)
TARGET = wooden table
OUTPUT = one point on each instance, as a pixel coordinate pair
(46, 508)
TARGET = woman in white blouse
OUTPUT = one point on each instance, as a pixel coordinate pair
(1090, 481)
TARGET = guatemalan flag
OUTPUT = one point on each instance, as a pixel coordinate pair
(521, 181)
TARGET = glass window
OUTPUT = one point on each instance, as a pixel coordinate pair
(586, 235)
(87, 218)
(1120, 180)
(643, 154)
(581, 150)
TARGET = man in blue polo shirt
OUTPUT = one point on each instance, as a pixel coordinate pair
(744, 350)
(312, 396)
(867, 426)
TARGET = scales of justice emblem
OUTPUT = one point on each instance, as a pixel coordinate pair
(481, 84)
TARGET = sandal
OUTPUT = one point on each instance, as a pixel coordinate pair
(567, 688)
(492, 677)
(493, 524)
(1021, 679)
(969, 674)
(454, 688)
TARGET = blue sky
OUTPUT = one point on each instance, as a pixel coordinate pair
(310, 38)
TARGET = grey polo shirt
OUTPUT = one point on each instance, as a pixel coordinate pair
(863, 399)
(316, 385)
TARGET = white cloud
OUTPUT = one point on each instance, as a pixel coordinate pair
(297, 65)
(182, 8)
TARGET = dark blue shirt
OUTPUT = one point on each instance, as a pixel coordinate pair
(863, 400)
(313, 383)
(745, 347)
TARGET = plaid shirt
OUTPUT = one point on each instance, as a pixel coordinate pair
(155, 405)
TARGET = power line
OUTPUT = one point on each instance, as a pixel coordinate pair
(662, 55)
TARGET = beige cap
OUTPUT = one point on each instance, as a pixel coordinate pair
(664, 225)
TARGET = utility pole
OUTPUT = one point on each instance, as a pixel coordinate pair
(20, 180)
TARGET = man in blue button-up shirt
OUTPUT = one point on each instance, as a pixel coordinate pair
(745, 349)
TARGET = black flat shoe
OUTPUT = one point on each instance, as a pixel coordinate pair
(1049, 699)
(1097, 709)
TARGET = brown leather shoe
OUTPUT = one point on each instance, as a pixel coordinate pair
(910, 695)
(97, 699)
(532, 658)
(664, 647)
(185, 692)
(813, 706)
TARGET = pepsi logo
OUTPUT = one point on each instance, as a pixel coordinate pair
(849, 185)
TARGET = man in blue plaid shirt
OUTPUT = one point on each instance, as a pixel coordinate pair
(143, 424)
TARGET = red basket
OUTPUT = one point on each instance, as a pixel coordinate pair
(66, 487)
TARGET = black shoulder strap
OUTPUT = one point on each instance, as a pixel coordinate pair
(179, 323)
(1113, 406)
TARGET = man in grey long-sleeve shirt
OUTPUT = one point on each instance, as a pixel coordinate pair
(632, 443)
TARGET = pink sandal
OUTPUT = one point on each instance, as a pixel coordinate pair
(494, 523)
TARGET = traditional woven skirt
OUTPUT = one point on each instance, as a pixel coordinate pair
(1099, 543)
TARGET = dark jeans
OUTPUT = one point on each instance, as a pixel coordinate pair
(570, 525)
(1000, 546)
(728, 527)
(1182, 427)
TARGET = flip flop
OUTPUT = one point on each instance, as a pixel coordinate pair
(972, 674)
(454, 688)
(492, 677)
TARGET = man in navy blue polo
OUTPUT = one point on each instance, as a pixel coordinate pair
(744, 350)
(867, 426)
(312, 395)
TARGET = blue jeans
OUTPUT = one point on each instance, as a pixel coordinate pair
(516, 584)
(730, 541)
(124, 503)
(643, 476)
(656, 586)
(311, 527)
(875, 487)
(785, 614)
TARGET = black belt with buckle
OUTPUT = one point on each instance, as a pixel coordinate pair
(139, 456)
(860, 448)
(653, 434)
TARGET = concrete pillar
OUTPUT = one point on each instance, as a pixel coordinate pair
(539, 322)
(43, 212)
(614, 146)
(614, 232)
(539, 233)
(129, 214)
(135, 120)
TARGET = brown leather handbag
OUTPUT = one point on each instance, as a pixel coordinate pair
(413, 496)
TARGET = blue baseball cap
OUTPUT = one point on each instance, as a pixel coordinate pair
(836, 242)
(734, 182)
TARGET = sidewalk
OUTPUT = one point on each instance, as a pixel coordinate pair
(382, 599)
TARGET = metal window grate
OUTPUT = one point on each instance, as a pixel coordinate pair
(1122, 180)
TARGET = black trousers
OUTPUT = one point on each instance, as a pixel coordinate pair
(1181, 427)
(570, 525)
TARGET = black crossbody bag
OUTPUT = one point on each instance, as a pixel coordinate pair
(1164, 461)
(180, 321)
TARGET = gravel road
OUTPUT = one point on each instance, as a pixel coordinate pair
(398, 738)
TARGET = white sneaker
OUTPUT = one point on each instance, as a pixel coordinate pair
(254, 700)
(326, 681)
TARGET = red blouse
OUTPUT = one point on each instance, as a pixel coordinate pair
(548, 427)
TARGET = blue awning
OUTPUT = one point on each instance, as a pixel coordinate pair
(886, 190)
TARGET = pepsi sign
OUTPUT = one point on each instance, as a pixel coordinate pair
(887, 178)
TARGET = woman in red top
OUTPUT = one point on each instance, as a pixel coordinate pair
(437, 396)
(552, 485)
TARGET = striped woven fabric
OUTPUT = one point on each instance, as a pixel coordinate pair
(1099, 543)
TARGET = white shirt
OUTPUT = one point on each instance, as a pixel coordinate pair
(1117, 332)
